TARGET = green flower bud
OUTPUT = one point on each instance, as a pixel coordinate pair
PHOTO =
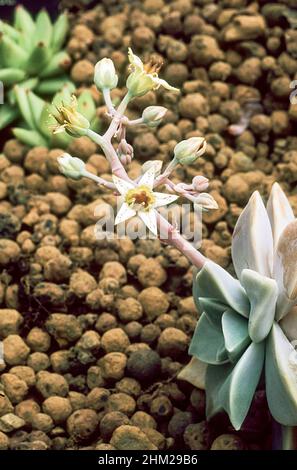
(71, 167)
(153, 115)
(187, 151)
(105, 76)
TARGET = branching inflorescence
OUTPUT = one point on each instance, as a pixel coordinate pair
(138, 197)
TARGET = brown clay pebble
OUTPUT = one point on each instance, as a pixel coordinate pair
(228, 442)
(131, 438)
(82, 424)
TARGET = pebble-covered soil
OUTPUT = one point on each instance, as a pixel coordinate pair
(95, 332)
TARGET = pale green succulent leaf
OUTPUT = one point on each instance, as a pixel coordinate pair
(44, 28)
(208, 342)
(39, 57)
(236, 394)
(57, 64)
(214, 282)
(23, 21)
(13, 55)
(235, 331)
(36, 105)
(214, 380)
(60, 30)
(8, 114)
(6, 28)
(262, 293)
(252, 244)
(11, 76)
(51, 86)
(280, 375)
(24, 106)
(86, 105)
(29, 137)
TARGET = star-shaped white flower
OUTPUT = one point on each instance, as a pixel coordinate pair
(144, 77)
(141, 200)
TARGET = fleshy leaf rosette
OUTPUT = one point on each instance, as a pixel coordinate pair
(248, 325)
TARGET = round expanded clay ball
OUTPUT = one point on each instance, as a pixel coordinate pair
(82, 424)
(115, 340)
(196, 436)
(128, 437)
(15, 388)
(9, 252)
(10, 322)
(129, 309)
(38, 361)
(27, 409)
(15, 350)
(110, 422)
(51, 384)
(58, 408)
(228, 442)
(24, 373)
(143, 420)
(97, 398)
(144, 365)
(173, 343)
(82, 72)
(42, 422)
(4, 441)
(38, 340)
(121, 402)
(151, 273)
(154, 302)
(114, 269)
(113, 366)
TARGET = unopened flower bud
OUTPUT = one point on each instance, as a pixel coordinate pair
(153, 115)
(105, 76)
(71, 167)
(156, 164)
(187, 151)
(200, 183)
(206, 201)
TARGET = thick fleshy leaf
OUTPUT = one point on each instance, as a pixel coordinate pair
(214, 380)
(194, 373)
(280, 373)
(238, 390)
(252, 244)
(213, 309)
(216, 283)
(279, 211)
(285, 269)
(262, 293)
(235, 330)
(208, 342)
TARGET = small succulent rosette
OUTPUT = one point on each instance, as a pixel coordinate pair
(247, 327)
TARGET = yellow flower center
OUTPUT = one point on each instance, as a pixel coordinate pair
(142, 196)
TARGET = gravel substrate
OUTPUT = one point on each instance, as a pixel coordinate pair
(95, 332)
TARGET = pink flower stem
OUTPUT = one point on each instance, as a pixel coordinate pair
(171, 236)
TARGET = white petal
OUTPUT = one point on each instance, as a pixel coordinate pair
(163, 199)
(124, 213)
(134, 59)
(149, 219)
(252, 244)
(122, 185)
(279, 211)
(161, 82)
(148, 178)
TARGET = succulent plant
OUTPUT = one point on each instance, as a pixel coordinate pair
(38, 116)
(31, 56)
(247, 326)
